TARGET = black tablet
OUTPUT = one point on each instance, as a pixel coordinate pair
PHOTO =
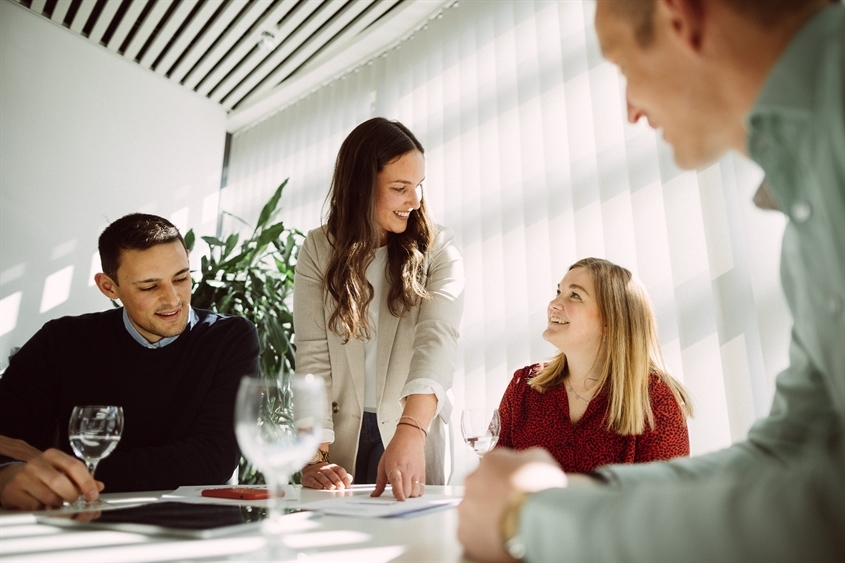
(168, 519)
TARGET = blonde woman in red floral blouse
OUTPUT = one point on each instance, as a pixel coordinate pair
(607, 396)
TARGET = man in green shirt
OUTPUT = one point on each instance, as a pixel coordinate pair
(766, 78)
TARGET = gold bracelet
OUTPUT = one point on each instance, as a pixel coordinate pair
(420, 428)
(509, 525)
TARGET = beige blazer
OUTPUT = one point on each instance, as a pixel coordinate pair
(423, 344)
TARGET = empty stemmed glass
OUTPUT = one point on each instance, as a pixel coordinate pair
(94, 432)
(278, 429)
(480, 429)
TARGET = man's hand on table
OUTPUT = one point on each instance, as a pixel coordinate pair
(501, 474)
(46, 480)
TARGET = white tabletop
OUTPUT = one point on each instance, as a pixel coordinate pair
(429, 536)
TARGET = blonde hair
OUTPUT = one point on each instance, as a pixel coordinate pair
(631, 351)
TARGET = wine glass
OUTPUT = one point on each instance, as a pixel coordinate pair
(480, 429)
(94, 432)
(278, 429)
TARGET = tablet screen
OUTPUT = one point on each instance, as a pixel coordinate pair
(168, 518)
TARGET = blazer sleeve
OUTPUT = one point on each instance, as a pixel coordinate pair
(312, 345)
(436, 337)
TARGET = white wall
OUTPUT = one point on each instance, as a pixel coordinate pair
(85, 138)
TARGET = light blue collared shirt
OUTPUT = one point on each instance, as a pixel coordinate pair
(192, 320)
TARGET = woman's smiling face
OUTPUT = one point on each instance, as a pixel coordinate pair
(398, 192)
(574, 319)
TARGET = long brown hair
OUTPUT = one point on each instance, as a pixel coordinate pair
(631, 351)
(355, 234)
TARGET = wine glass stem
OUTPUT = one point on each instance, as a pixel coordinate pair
(92, 466)
(274, 526)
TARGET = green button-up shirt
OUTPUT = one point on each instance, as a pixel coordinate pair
(780, 495)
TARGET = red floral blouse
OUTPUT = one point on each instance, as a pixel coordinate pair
(529, 418)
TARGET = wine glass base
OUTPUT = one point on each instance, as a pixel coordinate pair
(81, 504)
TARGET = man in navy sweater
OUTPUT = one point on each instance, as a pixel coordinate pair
(174, 370)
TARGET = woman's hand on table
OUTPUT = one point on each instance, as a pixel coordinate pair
(403, 464)
(328, 476)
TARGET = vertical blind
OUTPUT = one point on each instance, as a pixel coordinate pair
(530, 160)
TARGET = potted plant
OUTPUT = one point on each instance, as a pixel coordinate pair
(253, 278)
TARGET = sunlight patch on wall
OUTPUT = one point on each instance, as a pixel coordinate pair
(9, 308)
(56, 289)
(180, 219)
(95, 268)
(13, 273)
(63, 249)
(210, 205)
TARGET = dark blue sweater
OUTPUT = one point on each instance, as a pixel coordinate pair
(178, 401)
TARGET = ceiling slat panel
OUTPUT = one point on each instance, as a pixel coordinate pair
(196, 24)
(314, 41)
(240, 67)
(166, 34)
(60, 11)
(126, 24)
(235, 57)
(37, 6)
(103, 21)
(214, 31)
(147, 28)
(82, 14)
(226, 41)
(342, 43)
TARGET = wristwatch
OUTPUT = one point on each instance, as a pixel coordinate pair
(321, 456)
(511, 539)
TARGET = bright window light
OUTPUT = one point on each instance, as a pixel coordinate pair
(56, 289)
(9, 308)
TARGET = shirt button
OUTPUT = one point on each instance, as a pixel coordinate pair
(800, 211)
(834, 305)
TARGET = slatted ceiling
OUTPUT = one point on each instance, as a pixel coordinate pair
(81, 16)
(211, 46)
(290, 32)
(340, 43)
(336, 28)
(151, 21)
(166, 33)
(186, 37)
(202, 44)
(60, 11)
(244, 55)
(303, 42)
(231, 36)
(103, 21)
(126, 24)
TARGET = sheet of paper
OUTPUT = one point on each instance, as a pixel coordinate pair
(364, 506)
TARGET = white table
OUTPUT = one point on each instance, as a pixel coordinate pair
(428, 536)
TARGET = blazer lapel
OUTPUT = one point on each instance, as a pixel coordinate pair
(387, 325)
(355, 358)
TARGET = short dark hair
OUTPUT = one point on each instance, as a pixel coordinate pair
(767, 13)
(136, 231)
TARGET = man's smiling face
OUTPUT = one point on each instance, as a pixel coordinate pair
(154, 286)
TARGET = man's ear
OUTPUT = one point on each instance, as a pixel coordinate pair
(107, 286)
(685, 20)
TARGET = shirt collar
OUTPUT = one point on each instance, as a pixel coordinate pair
(133, 332)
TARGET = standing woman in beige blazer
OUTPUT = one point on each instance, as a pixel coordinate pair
(378, 298)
